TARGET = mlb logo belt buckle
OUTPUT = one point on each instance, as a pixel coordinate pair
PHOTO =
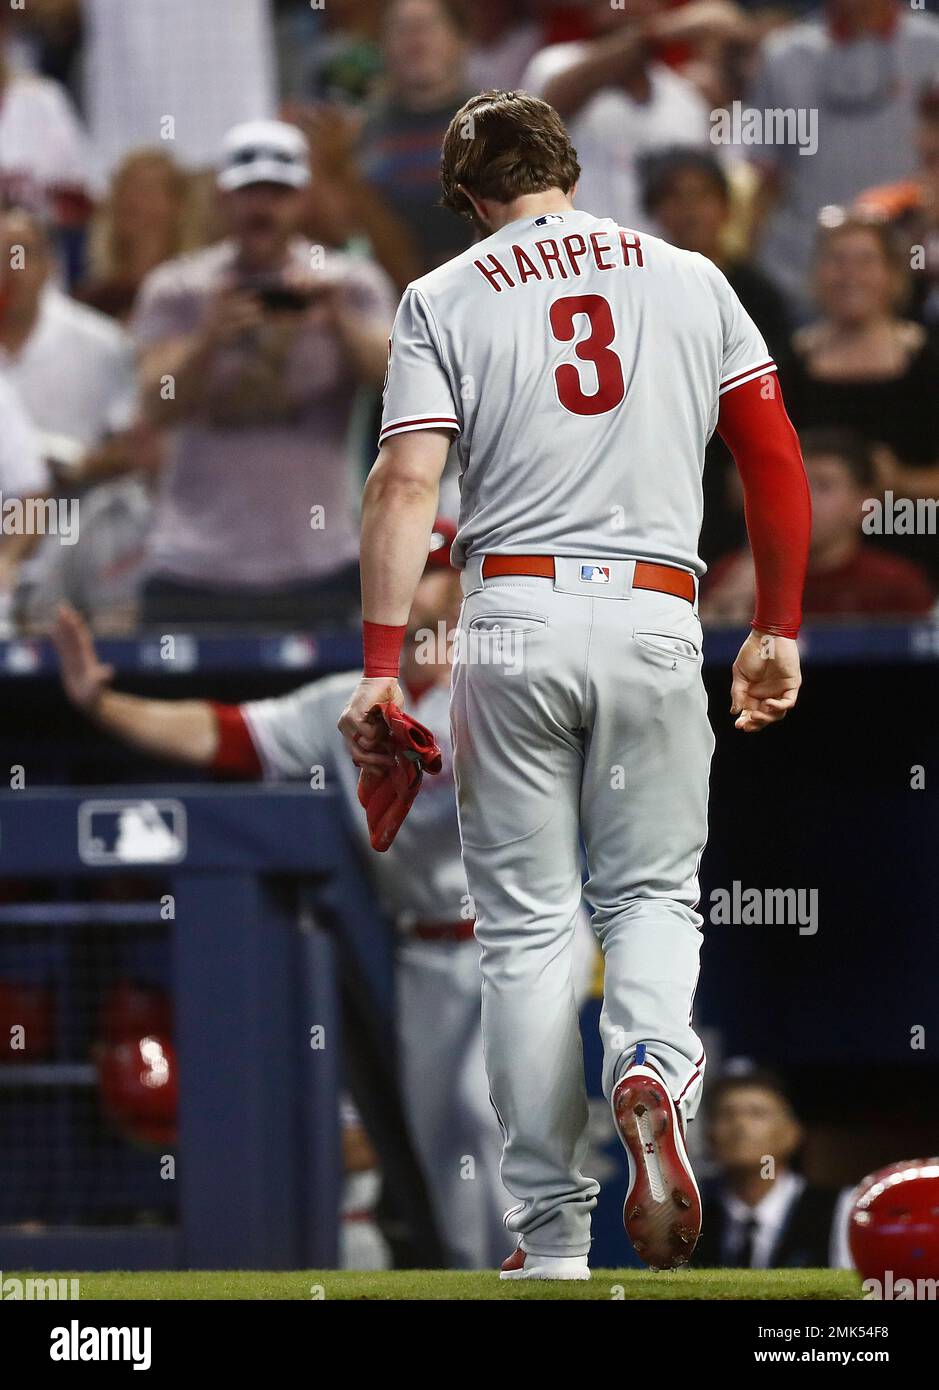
(597, 578)
(595, 574)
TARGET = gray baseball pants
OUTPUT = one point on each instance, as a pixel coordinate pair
(578, 713)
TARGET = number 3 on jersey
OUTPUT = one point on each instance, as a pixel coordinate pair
(595, 348)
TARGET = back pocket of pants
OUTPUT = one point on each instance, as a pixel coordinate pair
(667, 644)
(507, 622)
(502, 640)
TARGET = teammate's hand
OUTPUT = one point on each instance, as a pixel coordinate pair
(365, 733)
(766, 681)
(84, 678)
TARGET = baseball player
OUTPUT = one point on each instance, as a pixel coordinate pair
(420, 883)
(582, 369)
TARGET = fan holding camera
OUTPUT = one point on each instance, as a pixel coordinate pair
(251, 351)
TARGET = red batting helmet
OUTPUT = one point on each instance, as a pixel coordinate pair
(895, 1222)
(139, 1087)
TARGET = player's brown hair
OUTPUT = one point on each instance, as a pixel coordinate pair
(502, 145)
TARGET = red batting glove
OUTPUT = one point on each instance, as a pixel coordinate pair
(387, 794)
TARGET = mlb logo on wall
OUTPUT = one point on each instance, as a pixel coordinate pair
(595, 574)
(132, 832)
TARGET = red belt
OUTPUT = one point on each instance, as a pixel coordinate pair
(664, 579)
(444, 931)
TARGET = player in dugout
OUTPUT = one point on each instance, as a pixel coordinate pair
(444, 1087)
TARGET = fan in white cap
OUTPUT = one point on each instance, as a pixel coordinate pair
(264, 152)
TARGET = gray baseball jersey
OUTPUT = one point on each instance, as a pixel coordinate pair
(580, 366)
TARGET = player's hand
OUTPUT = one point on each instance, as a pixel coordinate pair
(766, 680)
(84, 678)
(366, 735)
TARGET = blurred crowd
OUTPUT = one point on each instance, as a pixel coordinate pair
(204, 229)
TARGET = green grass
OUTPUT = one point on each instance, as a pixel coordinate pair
(459, 1285)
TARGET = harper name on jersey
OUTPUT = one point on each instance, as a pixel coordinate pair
(572, 257)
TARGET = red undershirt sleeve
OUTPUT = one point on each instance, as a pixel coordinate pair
(236, 755)
(756, 429)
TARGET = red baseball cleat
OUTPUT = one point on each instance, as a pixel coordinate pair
(662, 1213)
(521, 1265)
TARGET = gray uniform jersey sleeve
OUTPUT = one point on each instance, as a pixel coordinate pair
(419, 392)
(744, 353)
(296, 733)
